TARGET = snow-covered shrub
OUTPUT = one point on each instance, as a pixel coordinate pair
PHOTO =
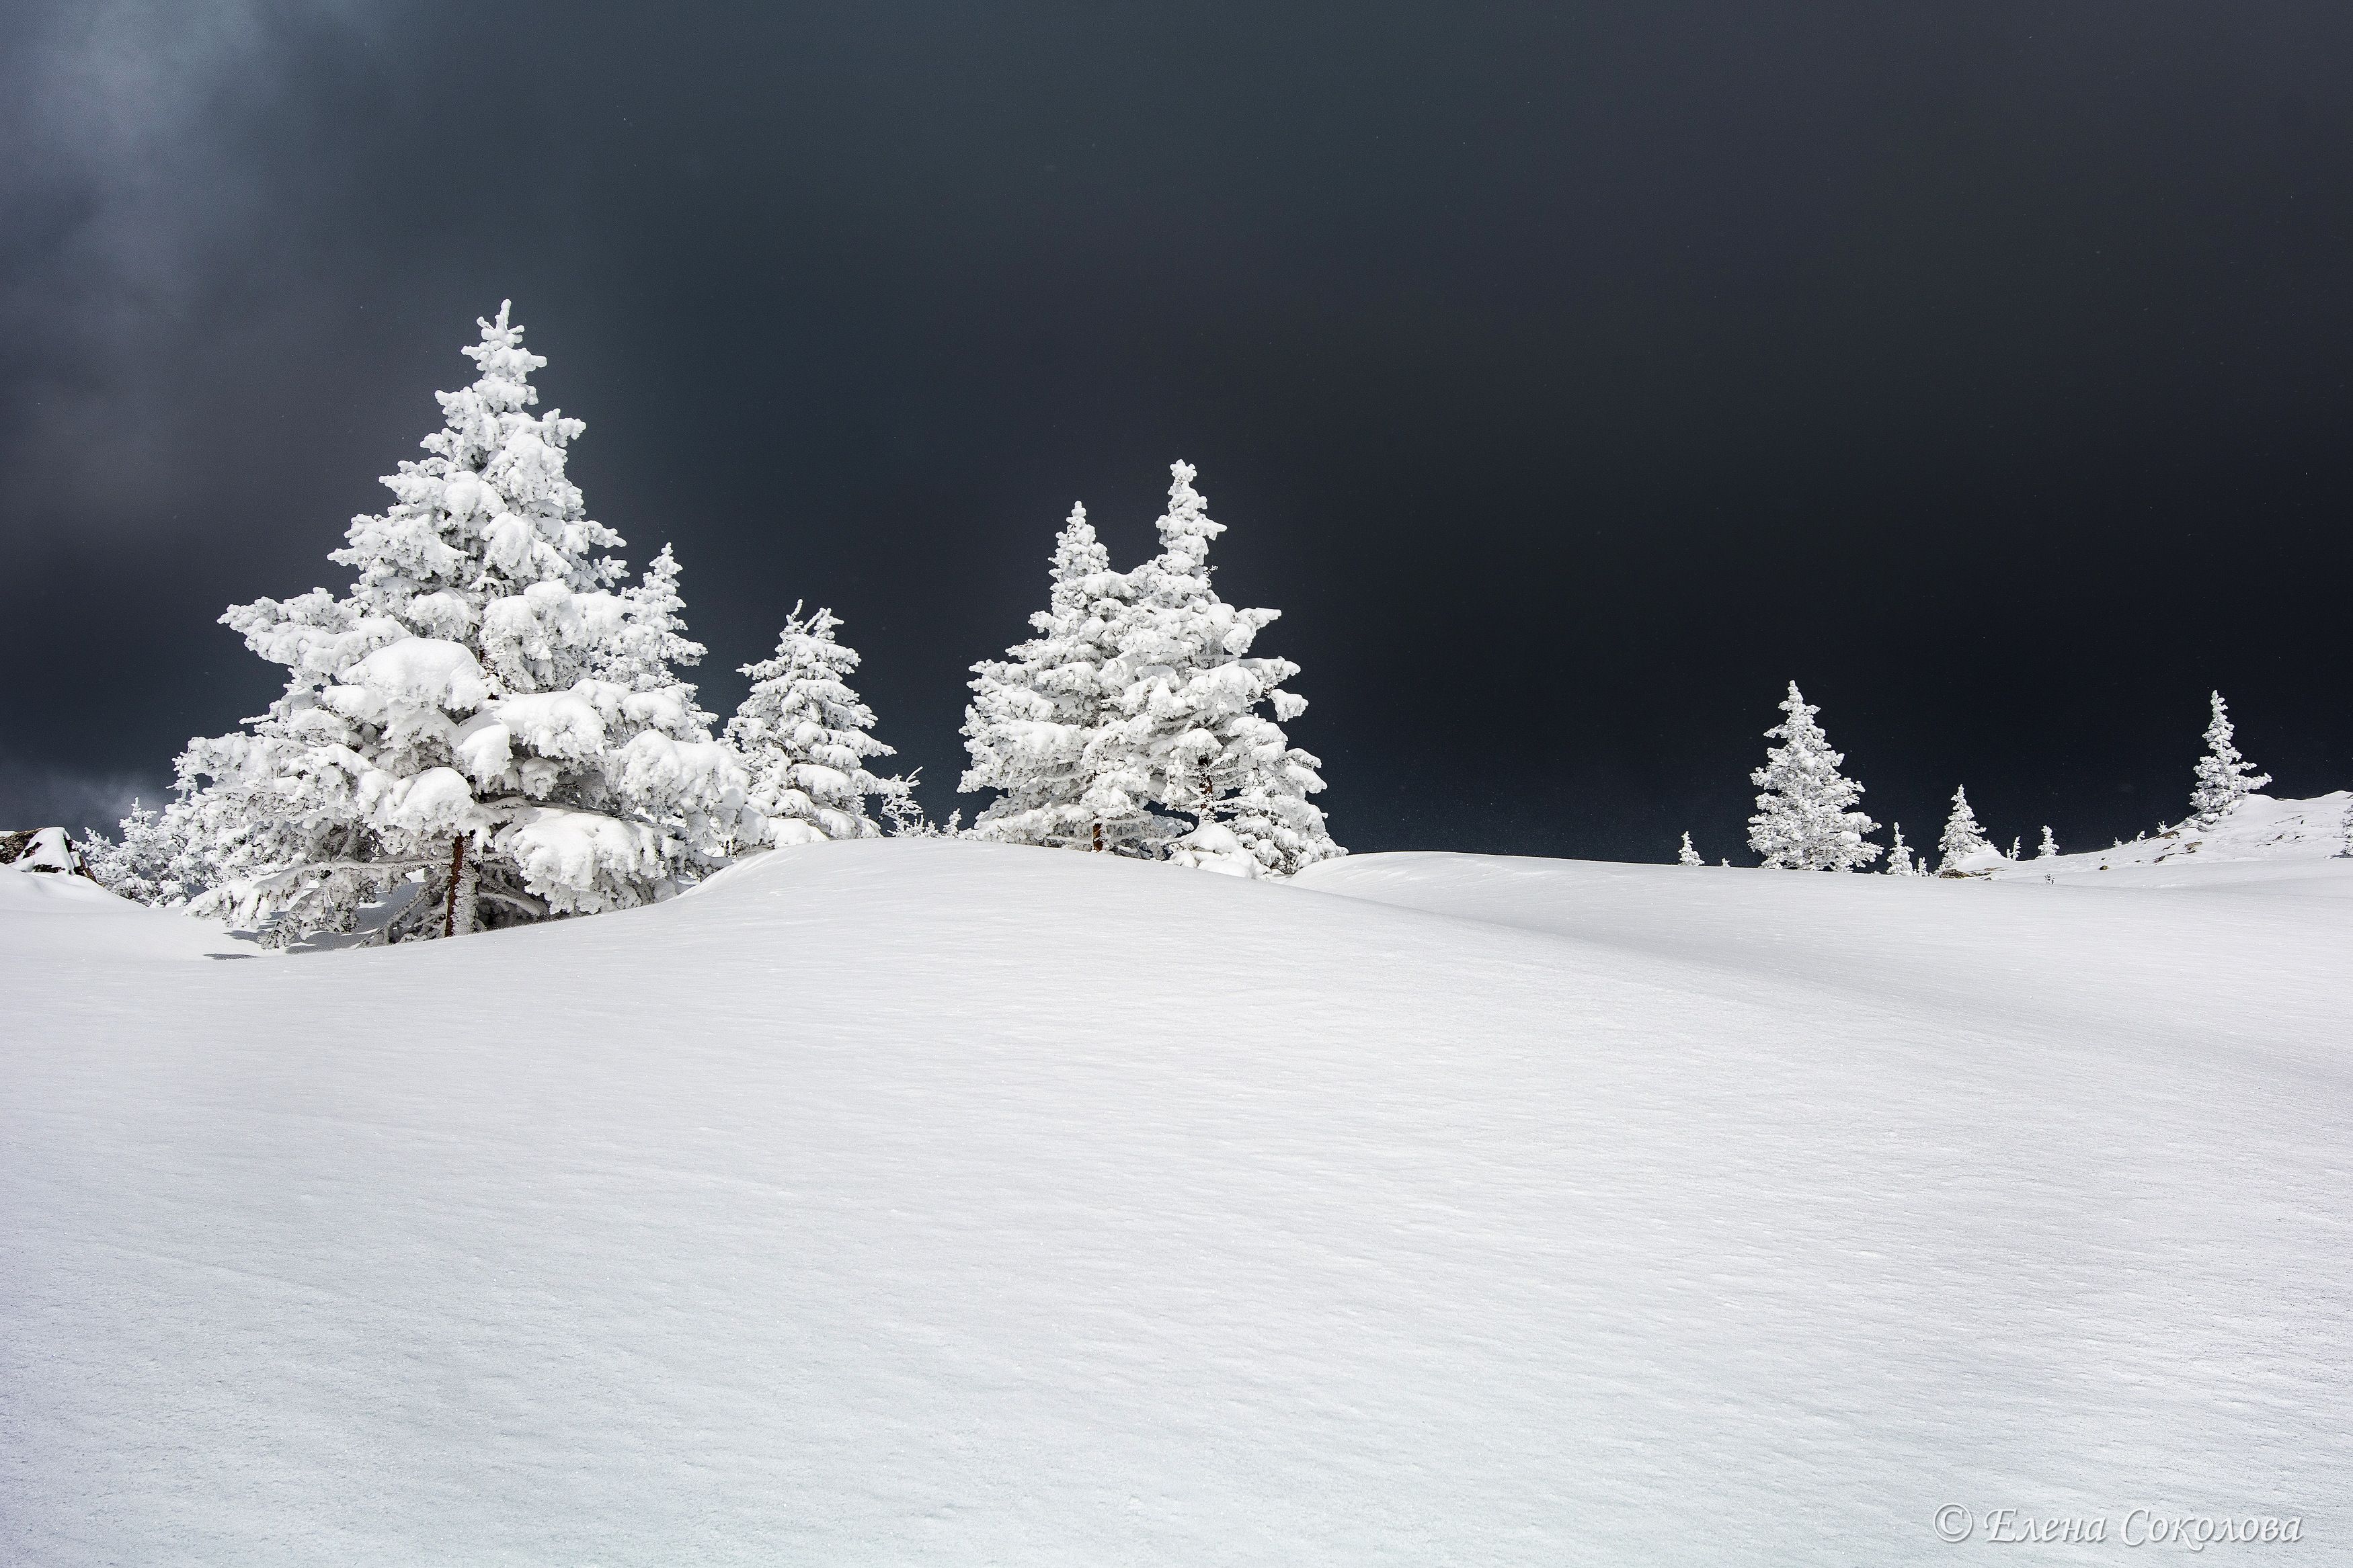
(487, 709)
(1803, 822)
(902, 815)
(46, 850)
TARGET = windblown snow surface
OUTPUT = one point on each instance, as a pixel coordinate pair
(922, 1202)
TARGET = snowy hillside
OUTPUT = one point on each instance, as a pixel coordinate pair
(915, 1200)
(2263, 836)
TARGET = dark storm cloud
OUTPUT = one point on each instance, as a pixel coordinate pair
(133, 214)
(1572, 377)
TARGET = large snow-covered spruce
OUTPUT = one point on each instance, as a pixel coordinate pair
(487, 719)
(1035, 727)
(2224, 777)
(1804, 821)
(804, 736)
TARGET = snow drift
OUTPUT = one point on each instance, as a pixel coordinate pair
(906, 1200)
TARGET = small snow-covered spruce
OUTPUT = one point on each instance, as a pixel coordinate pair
(1803, 819)
(803, 734)
(2224, 777)
(1184, 736)
(481, 729)
(2345, 831)
(1964, 839)
(1899, 854)
(2016, 845)
(2050, 849)
(1688, 856)
(902, 815)
(1035, 729)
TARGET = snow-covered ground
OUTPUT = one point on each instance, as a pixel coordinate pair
(2269, 841)
(916, 1201)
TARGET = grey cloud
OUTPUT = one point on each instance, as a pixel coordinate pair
(129, 212)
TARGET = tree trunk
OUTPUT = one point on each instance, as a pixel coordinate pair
(1098, 837)
(458, 917)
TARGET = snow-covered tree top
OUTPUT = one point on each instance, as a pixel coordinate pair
(1079, 558)
(491, 509)
(1186, 528)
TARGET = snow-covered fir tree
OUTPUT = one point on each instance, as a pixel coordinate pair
(1964, 839)
(2224, 777)
(2015, 846)
(804, 736)
(1804, 821)
(1899, 854)
(155, 861)
(1130, 722)
(1187, 736)
(2050, 849)
(1035, 729)
(483, 718)
(1688, 856)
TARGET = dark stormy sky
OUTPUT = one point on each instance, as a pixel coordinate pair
(1571, 377)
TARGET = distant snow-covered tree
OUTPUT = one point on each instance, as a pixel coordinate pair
(2050, 849)
(1688, 856)
(803, 733)
(1899, 855)
(2224, 777)
(1803, 819)
(1964, 839)
(156, 862)
(902, 815)
(1035, 727)
(481, 714)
